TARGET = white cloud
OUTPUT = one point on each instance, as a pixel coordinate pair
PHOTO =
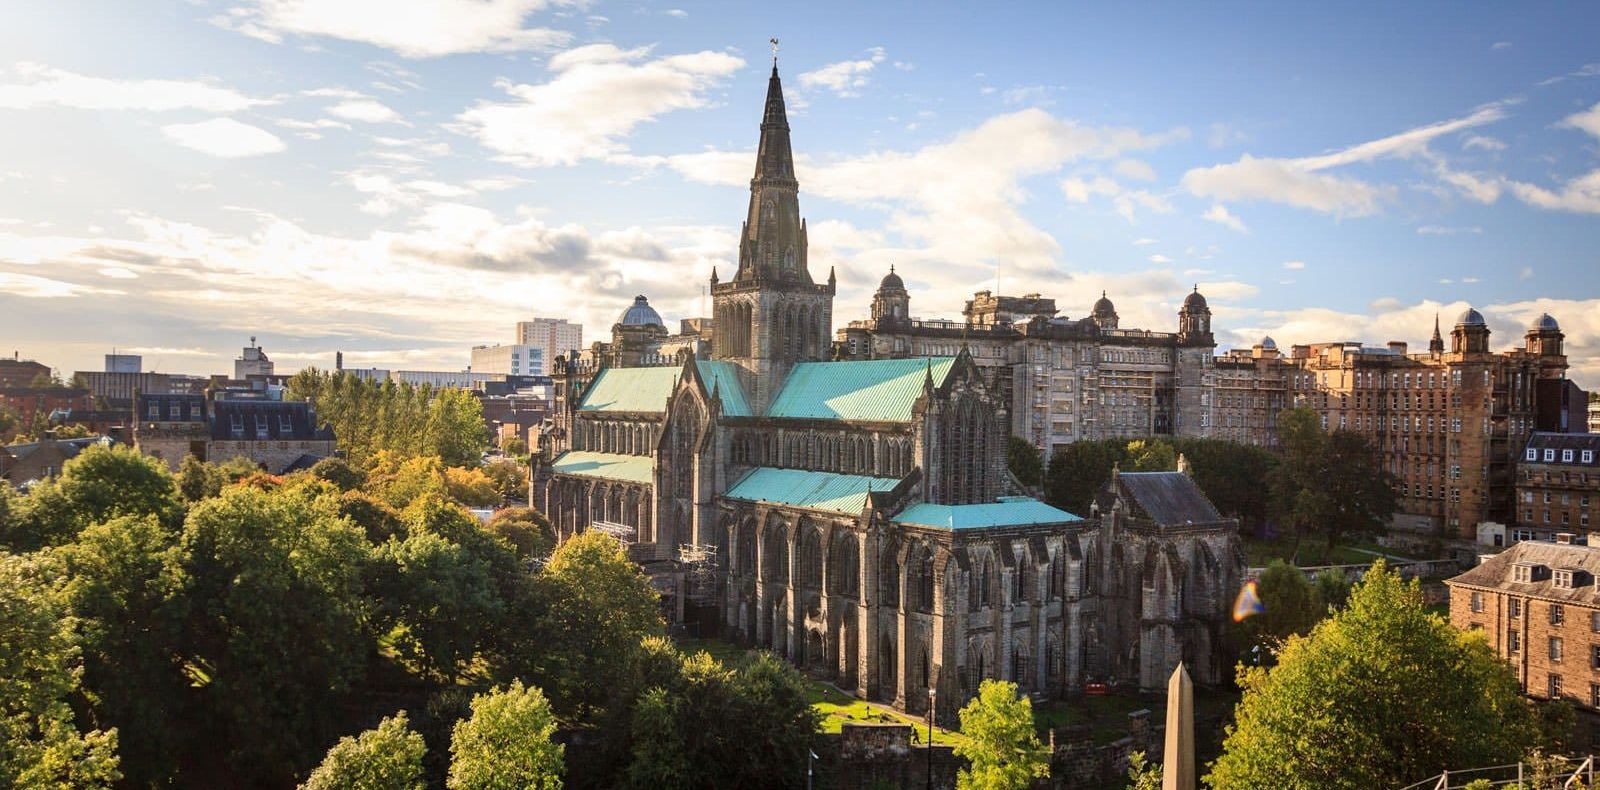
(1143, 242)
(1580, 195)
(1079, 190)
(1483, 143)
(34, 287)
(677, 12)
(1294, 265)
(1587, 121)
(1526, 273)
(1158, 258)
(224, 137)
(599, 94)
(1441, 230)
(366, 111)
(1136, 170)
(845, 78)
(1219, 214)
(43, 86)
(1500, 45)
(1299, 182)
(413, 28)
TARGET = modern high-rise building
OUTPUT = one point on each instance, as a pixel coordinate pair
(252, 361)
(124, 363)
(555, 336)
(516, 359)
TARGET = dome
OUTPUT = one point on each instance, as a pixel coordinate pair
(1103, 306)
(1470, 318)
(640, 314)
(1268, 343)
(1545, 322)
(1194, 301)
(891, 280)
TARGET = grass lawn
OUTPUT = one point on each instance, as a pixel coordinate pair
(836, 707)
(1107, 716)
(1258, 553)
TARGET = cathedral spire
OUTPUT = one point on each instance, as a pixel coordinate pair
(773, 245)
(1436, 345)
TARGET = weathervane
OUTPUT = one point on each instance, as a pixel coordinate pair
(774, 50)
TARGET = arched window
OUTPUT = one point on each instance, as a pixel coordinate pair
(747, 549)
(810, 568)
(1019, 589)
(889, 578)
(924, 580)
(775, 555)
(982, 581)
(844, 565)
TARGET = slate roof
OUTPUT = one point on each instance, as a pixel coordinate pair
(1010, 511)
(606, 466)
(1495, 572)
(647, 389)
(1169, 497)
(189, 408)
(877, 390)
(265, 420)
(800, 488)
(1557, 442)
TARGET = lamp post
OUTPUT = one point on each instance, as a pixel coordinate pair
(933, 695)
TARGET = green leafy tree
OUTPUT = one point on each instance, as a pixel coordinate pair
(1289, 606)
(41, 745)
(1329, 484)
(525, 529)
(386, 758)
(99, 484)
(514, 447)
(1024, 460)
(1379, 694)
(275, 634)
(600, 606)
(1151, 455)
(510, 479)
(1331, 588)
(506, 743)
(125, 587)
(442, 597)
(1078, 471)
(340, 473)
(369, 417)
(1142, 775)
(1001, 745)
(1231, 475)
(455, 429)
(660, 758)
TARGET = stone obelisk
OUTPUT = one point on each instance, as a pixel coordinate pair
(1177, 769)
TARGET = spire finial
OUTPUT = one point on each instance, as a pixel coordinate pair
(774, 41)
(1102, 293)
(891, 268)
(1197, 287)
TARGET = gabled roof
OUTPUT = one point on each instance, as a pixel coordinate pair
(723, 378)
(631, 389)
(1169, 497)
(1495, 572)
(649, 389)
(818, 490)
(1010, 511)
(606, 466)
(265, 420)
(877, 390)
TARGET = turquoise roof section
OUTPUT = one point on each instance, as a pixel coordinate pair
(817, 490)
(631, 389)
(723, 377)
(877, 390)
(606, 466)
(1010, 511)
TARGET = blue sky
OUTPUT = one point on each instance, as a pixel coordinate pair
(401, 180)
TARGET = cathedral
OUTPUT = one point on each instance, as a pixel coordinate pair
(856, 515)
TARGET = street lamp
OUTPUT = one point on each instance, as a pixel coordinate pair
(932, 696)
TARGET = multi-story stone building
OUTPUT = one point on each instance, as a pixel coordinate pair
(280, 436)
(856, 515)
(1558, 483)
(19, 372)
(1538, 605)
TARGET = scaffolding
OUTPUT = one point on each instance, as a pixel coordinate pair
(624, 534)
(699, 563)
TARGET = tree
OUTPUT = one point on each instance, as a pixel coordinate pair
(510, 478)
(99, 484)
(505, 744)
(1289, 605)
(340, 473)
(471, 487)
(1381, 693)
(387, 758)
(660, 759)
(1001, 744)
(41, 745)
(514, 447)
(1331, 588)
(600, 606)
(526, 529)
(1141, 774)
(1151, 455)
(1024, 460)
(1332, 483)
(1078, 471)
(443, 599)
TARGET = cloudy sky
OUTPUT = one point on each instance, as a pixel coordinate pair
(401, 180)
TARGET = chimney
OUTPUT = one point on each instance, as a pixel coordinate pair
(1564, 538)
(1183, 463)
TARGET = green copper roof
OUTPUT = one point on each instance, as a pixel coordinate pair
(647, 389)
(631, 389)
(878, 390)
(1010, 511)
(724, 378)
(607, 466)
(820, 490)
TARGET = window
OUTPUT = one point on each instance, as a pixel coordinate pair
(1594, 695)
(1515, 607)
(175, 411)
(155, 410)
(1532, 455)
(1594, 656)
(285, 425)
(1477, 601)
(1513, 641)
(1588, 456)
(1555, 648)
(1557, 614)
(1566, 456)
(236, 425)
(1549, 456)
(1554, 686)
(1594, 622)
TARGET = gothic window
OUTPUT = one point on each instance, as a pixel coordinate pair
(1019, 590)
(775, 552)
(810, 557)
(844, 566)
(1055, 577)
(889, 577)
(788, 259)
(747, 548)
(922, 568)
(982, 579)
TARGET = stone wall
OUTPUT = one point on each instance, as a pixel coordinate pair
(875, 756)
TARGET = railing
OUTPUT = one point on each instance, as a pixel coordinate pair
(1563, 772)
(1408, 569)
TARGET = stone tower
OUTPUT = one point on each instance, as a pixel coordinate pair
(1194, 375)
(891, 302)
(772, 315)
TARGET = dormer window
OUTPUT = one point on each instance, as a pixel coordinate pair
(175, 411)
(155, 410)
(285, 426)
(236, 425)
(1566, 456)
(1549, 456)
(261, 426)
(1563, 578)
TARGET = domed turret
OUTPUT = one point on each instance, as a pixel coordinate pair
(1194, 320)
(1194, 301)
(1104, 312)
(640, 313)
(1471, 317)
(1544, 337)
(892, 280)
(891, 302)
(1269, 344)
(1471, 335)
(1545, 323)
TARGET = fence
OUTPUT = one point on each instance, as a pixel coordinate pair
(1409, 569)
(1558, 772)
